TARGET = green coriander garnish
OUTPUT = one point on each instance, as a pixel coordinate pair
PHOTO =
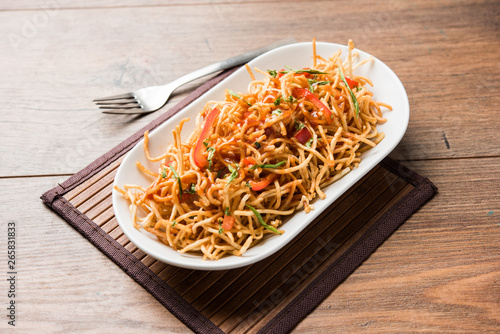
(309, 143)
(226, 212)
(248, 185)
(279, 164)
(353, 97)
(211, 152)
(191, 189)
(311, 87)
(234, 94)
(273, 73)
(176, 177)
(299, 126)
(173, 223)
(220, 227)
(164, 173)
(313, 82)
(219, 174)
(277, 101)
(238, 97)
(234, 173)
(261, 221)
(257, 144)
(303, 71)
(277, 112)
(291, 99)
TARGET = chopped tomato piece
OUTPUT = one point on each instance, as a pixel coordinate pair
(304, 93)
(186, 197)
(303, 136)
(351, 83)
(249, 161)
(198, 157)
(280, 74)
(306, 74)
(259, 185)
(228, 222)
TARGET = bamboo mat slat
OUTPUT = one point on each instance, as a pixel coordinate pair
(272, 295)
(246, 299)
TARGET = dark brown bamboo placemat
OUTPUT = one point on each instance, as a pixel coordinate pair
(273, 295)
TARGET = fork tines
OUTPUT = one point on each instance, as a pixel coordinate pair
(124, 103)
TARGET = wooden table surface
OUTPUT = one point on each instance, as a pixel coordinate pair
(440, 272)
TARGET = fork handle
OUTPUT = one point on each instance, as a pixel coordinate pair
(229, 63)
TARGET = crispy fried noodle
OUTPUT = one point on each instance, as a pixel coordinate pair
(257, 157)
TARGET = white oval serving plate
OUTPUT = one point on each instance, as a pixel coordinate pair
(386, 88)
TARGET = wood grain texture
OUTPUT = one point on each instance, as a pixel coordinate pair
(445, 55)
(438, 273)
(9, 5)
(66, 285)
(229, 298)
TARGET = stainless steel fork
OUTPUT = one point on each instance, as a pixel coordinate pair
(150, 99)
